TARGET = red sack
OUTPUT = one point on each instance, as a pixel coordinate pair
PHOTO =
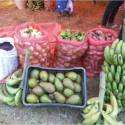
(40, 50)
(94, 57)
(67, 53)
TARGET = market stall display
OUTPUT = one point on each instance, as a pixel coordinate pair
(9, 59)
(94, 56)
(31, 36)
(55, 87)
(68, 53)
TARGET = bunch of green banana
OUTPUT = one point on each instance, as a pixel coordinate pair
(12, 92)
(35, 5)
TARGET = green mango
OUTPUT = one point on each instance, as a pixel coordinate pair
(60, 98)
(38, 91)
(77, 88)
(68, 92)
(80, 101)
(79, 79)
(58, 85)
(48, 87)
(31, 98)
(60, 76)
(45, 99)
(34, 74)
(51, 78)
(63, 34)
(68, 83)
(71, 75)
(73, 100)
(44, 76)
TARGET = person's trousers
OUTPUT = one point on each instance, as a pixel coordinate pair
(110, 11)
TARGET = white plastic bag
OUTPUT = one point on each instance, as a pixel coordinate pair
(9, 60)
(69, 6)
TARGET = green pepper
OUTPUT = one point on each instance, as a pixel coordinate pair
(77, 33)
(69, 30)
(83, 34)
(63, 33)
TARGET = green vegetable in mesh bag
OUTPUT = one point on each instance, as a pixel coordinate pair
(63, 33)
(67, 38)
(77, 33)
(69, 30)
(83, 34)
(68, 34)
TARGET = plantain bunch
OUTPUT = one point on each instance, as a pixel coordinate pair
(114, 67)
(35, 5)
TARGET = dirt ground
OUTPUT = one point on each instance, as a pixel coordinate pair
(86, 16)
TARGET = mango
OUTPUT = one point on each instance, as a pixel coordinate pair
(73, 100)
(51, 78)
(58, 85)
(38, 91)
(45, 99)
(68, 83)
(71, 75)
(48, 87)
(79, 79)
(77, 88)
(31, 98)
(44, 76)
(32, 83)
(60, 98)
(34, 74)
(68, 92)
(60, 76)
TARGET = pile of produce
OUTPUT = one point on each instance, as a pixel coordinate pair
(30, 32)
(101, 36)
(114, 67)
(44, 87)
(72, 36)
(11, 92)
(35, 5)
(99, 112)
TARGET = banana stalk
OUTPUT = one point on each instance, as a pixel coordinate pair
(101, 93)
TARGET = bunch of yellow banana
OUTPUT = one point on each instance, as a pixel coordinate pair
(10, 92)
(114, 67)
(92, 112)
(35, 5)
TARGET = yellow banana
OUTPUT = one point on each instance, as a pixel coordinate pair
(94, 110)
(91, 100)
(108, 108)
(114, 44)
(105, 122)
(5, 92)
(16, 74)
(12, 103)
(88, 108)
(92, 119)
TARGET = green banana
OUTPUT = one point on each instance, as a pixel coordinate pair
(12, 103)
(114, 44)
(119, 103)
(10, 81)
(109, 85)
(107, 70)
(93, 111)
(105, 122)
(123, 51)
(117, 77)
(12, 90)
(103, 68)
(112, 69)
(114, 104)
(106, 55)
(116, 92)
(123, 79)
(105, 99)
(123, 67)
(119, 109)
(108, 99)
(16, 74)
(118, 48)
(5, 92)
(119, 70)
(119, 96)
(88, 108)
(91, 100)
(106, 64)
(120, 87)
(114, 86)
(108, 118)
(106, 77)
(18, 98)
(121, 42)
(112, 52)
(108, 108)
(108, 92)
(115, 60)
(120, 60)
(5, 98)
(92, 119)
(123, 94)
(110, 77)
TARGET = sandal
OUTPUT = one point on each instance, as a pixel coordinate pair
(114, 26)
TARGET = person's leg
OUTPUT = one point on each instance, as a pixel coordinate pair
(110, 7)
(114, 12)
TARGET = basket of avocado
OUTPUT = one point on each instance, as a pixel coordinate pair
(55, 87)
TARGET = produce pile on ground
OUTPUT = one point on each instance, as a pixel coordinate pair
(44, 87)
(114, 67)
(73, 36)
(101, 36)
(35, 5)
(98, 111)
(11, 92)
